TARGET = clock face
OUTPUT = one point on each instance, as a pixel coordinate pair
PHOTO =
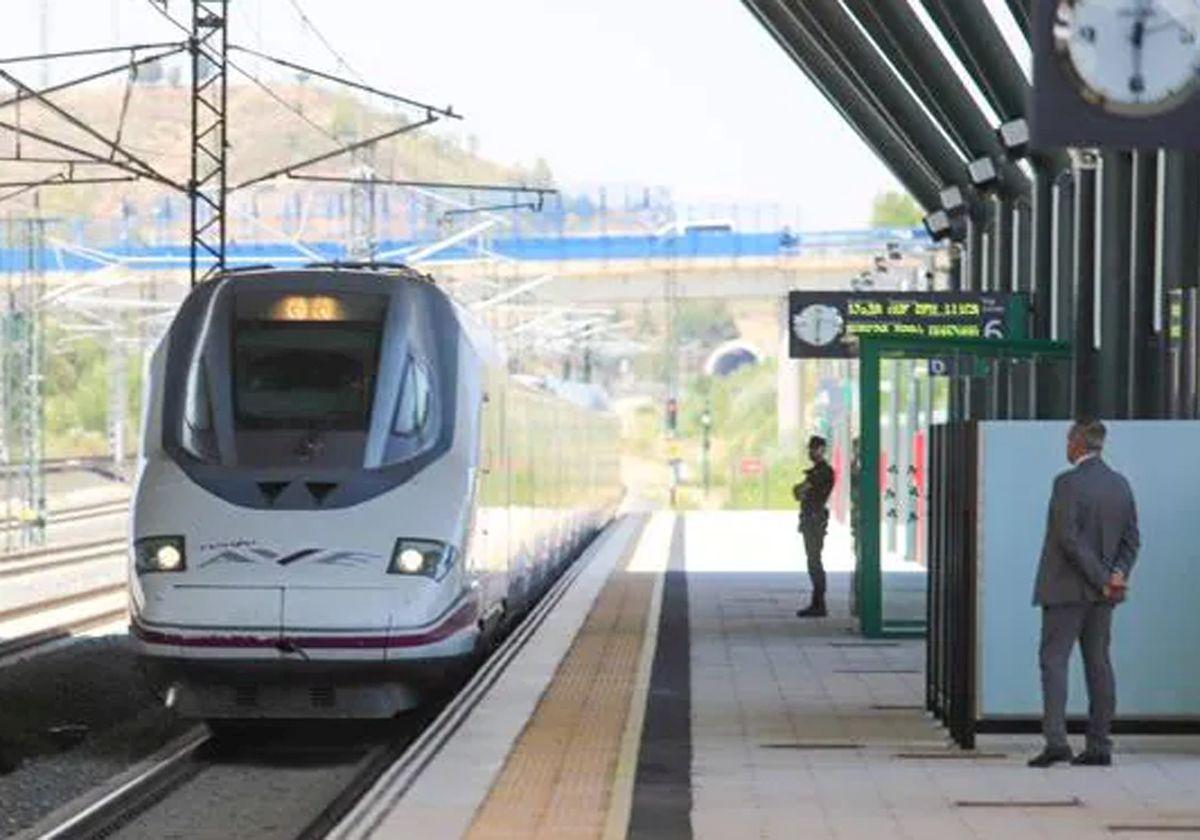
(1131, 57)
(818, 324)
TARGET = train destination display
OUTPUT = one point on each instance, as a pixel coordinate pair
(829, 324)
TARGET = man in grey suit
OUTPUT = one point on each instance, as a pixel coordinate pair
(1091, 545)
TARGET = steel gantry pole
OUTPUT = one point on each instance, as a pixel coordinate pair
(1114, 205)
(909, 166)
(1053, 287)
(1178, 261)
(1085, 397)
(208, 45)
(1147, 342)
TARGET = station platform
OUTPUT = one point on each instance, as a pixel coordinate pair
(668, 690)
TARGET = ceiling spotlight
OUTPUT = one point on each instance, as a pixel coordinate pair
(953, 199)
(983, 172)
(862, 282)
(941, 225)
(1014, 134)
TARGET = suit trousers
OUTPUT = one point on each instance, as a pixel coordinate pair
(1091, 625)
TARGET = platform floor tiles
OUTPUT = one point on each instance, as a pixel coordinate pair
(798, 728)
(562, 774)
(802, 729)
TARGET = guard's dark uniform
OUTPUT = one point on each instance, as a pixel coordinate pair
(813, 494)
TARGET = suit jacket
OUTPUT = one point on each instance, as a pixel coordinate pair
(1091, 531)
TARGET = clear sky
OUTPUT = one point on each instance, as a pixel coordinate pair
(688, 94)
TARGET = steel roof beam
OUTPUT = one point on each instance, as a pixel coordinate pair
(979, 44)
(911, 49)
(1022, 12)
(828, 22)
(909, 167)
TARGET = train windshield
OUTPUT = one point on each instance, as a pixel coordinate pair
(304, 374)
(316, 373)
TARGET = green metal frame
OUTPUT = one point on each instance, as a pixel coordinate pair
(872, 349)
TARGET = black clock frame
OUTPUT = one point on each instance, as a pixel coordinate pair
(1062, 114)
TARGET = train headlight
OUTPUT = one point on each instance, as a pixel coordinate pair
(159, 554)
(421, 557)
(410, 561)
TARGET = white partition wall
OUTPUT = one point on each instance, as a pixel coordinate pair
(1156, 634)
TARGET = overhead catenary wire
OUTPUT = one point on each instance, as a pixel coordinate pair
(338, 57)
(132, 160)
(131, 48)
(83, 153)
(447, 112)
(263, 86)
(137, 62)
(128, 159)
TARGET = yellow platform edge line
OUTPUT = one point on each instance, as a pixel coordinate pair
(637, 524)
(620, 806)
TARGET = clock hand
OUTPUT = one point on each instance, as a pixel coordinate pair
(1137, 81)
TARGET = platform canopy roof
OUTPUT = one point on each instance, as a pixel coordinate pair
(925, 83)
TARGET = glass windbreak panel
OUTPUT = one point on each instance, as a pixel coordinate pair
(908, 396)
(291, 374)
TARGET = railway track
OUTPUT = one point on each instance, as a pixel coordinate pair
(34, 561)
(59, 632)
(65, 616)
(60, 607)
(61, 601)
(172, 796)
(79, 513)
(294, 785)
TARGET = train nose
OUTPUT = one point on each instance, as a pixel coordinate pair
(355, 620)
(256, 610)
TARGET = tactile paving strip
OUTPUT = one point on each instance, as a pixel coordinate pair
(558, 778)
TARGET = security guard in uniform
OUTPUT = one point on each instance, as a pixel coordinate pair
(813, 495)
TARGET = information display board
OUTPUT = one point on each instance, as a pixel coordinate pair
(829, 324)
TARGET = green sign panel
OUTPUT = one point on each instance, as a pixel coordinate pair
(830, 324)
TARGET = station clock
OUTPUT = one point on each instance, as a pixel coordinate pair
(1133, 58)
(818, 324)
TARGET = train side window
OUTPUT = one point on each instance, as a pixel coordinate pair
(413, 408)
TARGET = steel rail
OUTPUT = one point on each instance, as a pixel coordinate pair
(57, 633)
(89, 553)
(174, 769)
(60, 601)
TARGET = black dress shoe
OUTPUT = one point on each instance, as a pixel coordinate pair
(813, 611)
(1087, 758)
(1050, 756)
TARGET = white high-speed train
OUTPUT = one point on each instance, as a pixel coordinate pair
(342, 493)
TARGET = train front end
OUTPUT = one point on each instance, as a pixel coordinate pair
(303, 500)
